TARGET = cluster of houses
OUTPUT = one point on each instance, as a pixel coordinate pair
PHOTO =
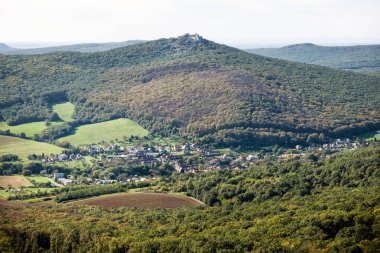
(339, 144)
(143, 155)
(336, 145)
(61, 158)
(153, 155)
(174, 154)
(61, 179)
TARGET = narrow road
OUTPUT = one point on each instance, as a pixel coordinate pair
(54, 183)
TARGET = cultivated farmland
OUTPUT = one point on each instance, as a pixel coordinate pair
(23, 147)
(14, 181)
(142, 200)
(105, 131)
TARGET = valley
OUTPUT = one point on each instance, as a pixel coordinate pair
(186, 145)
(190, 126)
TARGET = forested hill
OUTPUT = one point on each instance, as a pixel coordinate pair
(356, 58)
(190, 86)
(84, 47)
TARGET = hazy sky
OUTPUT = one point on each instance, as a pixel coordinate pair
(226, 21)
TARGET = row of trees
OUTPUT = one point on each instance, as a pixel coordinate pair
(16, 168)
(9, 158)
(79, 192)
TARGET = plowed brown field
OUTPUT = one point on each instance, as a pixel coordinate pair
(14, 181)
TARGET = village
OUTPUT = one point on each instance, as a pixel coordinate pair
(175, 155)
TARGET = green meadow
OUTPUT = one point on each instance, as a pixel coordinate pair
(373, 137)
(30, 129)
(23, 147)
(86, 134)
(105, 131)
(370, 136)
(65, 111)
(38, 179)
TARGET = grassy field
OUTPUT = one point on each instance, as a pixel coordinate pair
(65, 111)
(14, 181)
(142, 200)
(28, 128)
(373, 137)
(85, 162)
(370, 136)
(38, 179)
(167, 141)
(23, 148)
(153, 142)
(105, 131)
(5, 193)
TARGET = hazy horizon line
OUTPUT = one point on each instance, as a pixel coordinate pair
(242, 45)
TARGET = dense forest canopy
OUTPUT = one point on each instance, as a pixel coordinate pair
(190, 86)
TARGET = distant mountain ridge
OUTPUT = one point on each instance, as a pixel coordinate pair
(84, 48)
(195, 88)
(5, 48)
(356, 58)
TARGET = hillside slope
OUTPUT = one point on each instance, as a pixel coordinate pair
(84, 48)
(361, 58)
(196, 88)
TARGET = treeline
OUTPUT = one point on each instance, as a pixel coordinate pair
(9, 158)
(80, 192)
(32, 194)
(283, 136)
(55, 131)
(8, 169)
(117, 169)
(76, 192)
